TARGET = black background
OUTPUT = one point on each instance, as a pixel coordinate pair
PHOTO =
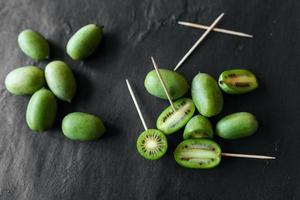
(49, 166)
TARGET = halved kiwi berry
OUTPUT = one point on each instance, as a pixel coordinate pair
(169, 121)
(152, 144)
(198, 154)
(237, 81)
(198, 127)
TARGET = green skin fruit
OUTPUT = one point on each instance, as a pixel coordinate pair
(60, 80)
(207, 95)
(198, 127)
(198, 154)
(237, 81)
(169, 122)
(152, 144)
(82, 126)
(25, 80)
(176, 84)
(41, 110)
(237, 125)
(33, 44)
(84, 42)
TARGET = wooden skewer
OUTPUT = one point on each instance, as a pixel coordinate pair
(220, 30)
(199, 41)
(163, 84)
(248, 156)
(136, 105)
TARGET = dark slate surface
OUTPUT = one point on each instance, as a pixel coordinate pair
(49, 166)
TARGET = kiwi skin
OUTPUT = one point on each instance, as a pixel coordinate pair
(207, 95)
(158, 137)
(237, 125)
(198, 127)
(200, 149)
(176, 84)
(169, 122)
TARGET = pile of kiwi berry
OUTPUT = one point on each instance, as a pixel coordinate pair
(31, 80)
(198, 150)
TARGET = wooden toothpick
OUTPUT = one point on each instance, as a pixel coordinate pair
(248, 156)
(199, 41)
(136, 105)
(220, 30)
(163, 84)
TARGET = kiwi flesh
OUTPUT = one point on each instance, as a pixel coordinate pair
(152, 144)
(198, 154)
(169, 121)
(198, 127)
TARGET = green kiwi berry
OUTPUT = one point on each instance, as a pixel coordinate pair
(198, 127)
(84, 42)
(169, 121)
(152, 144)
(237, 81)
(176, 84)
(33, 44)
(82, 126)
(198, 154)
(237, 125)
(207, 95)
(60, 80)
(41, 110)
(25, 80)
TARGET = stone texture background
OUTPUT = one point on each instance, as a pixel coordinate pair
(49, 166)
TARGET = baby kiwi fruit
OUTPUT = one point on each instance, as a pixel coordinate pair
(237, 81)
(152, 144)
(169, 121)
(198, 127)
(198, 154)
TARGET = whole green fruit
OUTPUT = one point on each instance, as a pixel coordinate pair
(33, 44)
(82, 126)
(84, 42)
(41, 110)
(207, 95)
(60, 80)
(25, 80)
(237, 125)
(176, 84)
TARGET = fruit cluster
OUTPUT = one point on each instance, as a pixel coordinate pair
(30, 80)
(197, 150)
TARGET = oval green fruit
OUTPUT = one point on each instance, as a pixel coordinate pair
(176, 84)
(41, 110)
(198, 127)
(169, 121)
(82, 126)
(60, 80)
(84, 42)
(33, 44)
(198, 154)
(237, 125)
(237, 81)
(25, 80)
(207, 95)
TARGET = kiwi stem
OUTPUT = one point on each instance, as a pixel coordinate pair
(163, 84)
(136, 105)
(220, 30)
(210, 28)
(248, 156)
